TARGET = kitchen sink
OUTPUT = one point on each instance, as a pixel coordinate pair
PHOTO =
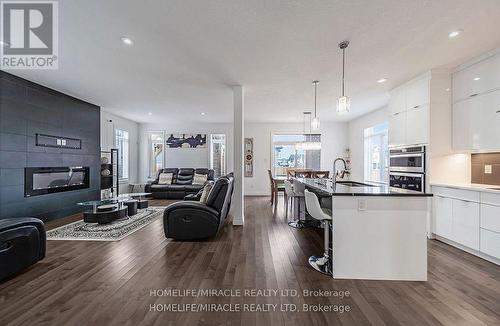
(353, 184)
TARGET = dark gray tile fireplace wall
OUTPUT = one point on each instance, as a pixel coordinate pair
(26, 109)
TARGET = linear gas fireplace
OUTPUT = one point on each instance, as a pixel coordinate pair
(46, 180)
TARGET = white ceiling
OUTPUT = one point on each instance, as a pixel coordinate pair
(188, 52)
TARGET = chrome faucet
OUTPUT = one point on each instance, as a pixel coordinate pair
(334, 179)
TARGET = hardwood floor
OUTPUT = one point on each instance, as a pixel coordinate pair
(110, 283)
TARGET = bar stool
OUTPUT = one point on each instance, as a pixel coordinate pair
(291, 195)
(322, 264)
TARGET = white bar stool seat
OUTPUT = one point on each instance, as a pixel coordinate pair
(293, 196)
(322, 264)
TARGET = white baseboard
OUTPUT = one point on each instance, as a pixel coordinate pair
(238, 221)
(466, 249)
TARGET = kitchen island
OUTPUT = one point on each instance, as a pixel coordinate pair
(378, 232)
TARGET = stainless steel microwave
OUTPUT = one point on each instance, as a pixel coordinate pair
(408, 159)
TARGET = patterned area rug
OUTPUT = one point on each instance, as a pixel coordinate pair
(113, 231)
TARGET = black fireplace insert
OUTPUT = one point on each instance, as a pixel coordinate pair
(47, 180)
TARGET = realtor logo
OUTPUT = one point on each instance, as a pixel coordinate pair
(29, 35)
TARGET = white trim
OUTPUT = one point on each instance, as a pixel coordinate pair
(466, 249)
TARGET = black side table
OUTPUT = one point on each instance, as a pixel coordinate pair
(131, 206)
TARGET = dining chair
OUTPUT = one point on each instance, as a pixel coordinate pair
(321, 174)
(276, 187)
(303, 174)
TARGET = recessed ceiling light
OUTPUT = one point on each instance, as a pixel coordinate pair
(382, 80)
(448, 89)
(127, 40)
(455, 33)
(202, 113)
(477, 78)
(150, 113)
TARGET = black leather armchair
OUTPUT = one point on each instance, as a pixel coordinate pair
(189, 220)
(22, 243)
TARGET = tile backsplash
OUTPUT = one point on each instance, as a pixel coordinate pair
(485, 168)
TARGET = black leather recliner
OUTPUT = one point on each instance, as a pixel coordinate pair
(189, 220)
(22, 243)
(182, 183)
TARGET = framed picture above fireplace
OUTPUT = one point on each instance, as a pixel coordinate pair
(47, 180)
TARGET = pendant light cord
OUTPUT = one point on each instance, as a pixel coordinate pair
(343, 71)
(315, 95)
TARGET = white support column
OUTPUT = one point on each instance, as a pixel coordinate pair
(238, 208)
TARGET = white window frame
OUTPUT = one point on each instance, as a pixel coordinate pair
(273, 158)
(365, 154)
(210, 151)
(164, 159)
(120, 178)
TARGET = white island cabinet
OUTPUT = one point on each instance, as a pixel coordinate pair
(468, 217)
(378, 232)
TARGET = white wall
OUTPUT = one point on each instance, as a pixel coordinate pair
(111, 122)
(356, 139)
(333, 145)
(184, 157)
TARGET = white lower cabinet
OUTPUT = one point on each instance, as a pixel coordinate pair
(490, 229)
(490, 243)
(469, 218)
(443, 223)
(466, 223)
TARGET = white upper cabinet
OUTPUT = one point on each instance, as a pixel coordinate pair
(462, 134)
(397, 129)
(409, 123)
(417, 94)
(397, 102)
(477, 79)
(417, 125)
(476, 122)
(476, 106)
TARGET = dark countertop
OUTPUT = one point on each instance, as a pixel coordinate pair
(368, 189)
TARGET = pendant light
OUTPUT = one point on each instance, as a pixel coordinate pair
(343, 103)
(308, 144)
(315, 120)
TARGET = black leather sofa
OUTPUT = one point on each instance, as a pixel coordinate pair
(22, 243)
(182, 183)
(189, 220)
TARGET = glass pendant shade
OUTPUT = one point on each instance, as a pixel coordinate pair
(343, 105)
(308, 146)
(315, 124)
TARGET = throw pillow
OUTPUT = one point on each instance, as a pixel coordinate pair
(165, 178)
(206, 191)
(199, 179)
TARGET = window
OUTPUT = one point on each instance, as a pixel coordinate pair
(218, 154)
(156, 153)
(286, 154)
(376, 154)
(121, 141)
